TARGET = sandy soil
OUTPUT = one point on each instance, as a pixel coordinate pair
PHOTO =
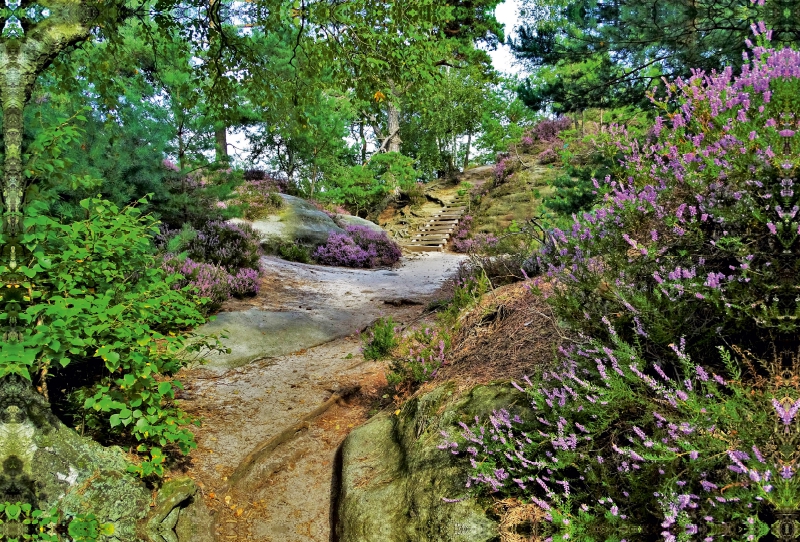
(286, 494)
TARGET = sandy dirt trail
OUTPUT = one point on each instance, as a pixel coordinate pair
(295, 350)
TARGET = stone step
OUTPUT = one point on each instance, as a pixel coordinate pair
(437, 230)
(424, 248)
(429, 240)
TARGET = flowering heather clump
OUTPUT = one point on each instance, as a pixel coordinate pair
(422, 354)
(360, 246)
(700, 237)
(504, 167)
(244, 283)
(461, 240)
(387, 250)
(690, 453)
(548, 130)
(232, 246)
(547, 156)
(480, 244)
(342, 250)
(653, 428)
(259, 196)
(264, 181)
(209, 280)
(332, 210)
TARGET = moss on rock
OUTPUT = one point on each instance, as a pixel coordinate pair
(395, 478)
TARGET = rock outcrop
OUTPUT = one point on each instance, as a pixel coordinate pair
(395, 479)
(47, 465)
(351, 220)
(297, 221)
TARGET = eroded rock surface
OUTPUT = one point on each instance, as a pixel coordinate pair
(394, 477)
(46, 464)
(297, 221)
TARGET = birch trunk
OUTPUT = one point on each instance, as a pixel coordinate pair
(394, 127)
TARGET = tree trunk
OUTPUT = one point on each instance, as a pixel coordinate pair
(394, 127)
(221, 138)
(181, 147)
(466, 154)
(601, 120)
(363, 143)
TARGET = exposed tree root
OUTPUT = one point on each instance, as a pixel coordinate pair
(263, 450)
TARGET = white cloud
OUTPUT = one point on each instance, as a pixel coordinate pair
(503, 59)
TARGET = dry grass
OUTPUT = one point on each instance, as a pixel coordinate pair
(518, 516)
(511, 333)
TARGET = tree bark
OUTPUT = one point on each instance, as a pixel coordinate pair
(221, 147)
(363, 142)
(466, 154)
(393, 122)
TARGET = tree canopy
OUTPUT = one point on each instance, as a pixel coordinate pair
(610, 53)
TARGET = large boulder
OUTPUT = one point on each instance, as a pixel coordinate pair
(395, 479)
(296, 222)
(48, 465)
(352, 220)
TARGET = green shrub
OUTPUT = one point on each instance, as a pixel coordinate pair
(422, 354)
(294, 253)
(97, 303)
(380, 340)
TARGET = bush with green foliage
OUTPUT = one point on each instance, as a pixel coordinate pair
(683, 389)
(380, 340)
(94, 301)
(362, 188)
(294, 253)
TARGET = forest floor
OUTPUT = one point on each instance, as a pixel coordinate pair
(271, 428)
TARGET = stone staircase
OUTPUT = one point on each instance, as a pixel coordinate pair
(433, 234)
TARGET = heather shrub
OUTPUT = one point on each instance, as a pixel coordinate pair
(698, 237)
(258, 197)
(675, 416)
(228, 245)
(359, 246)
(505, 166)
(461, 241)
(266, 181)
(691, 455)
(388, 252)
(422, 352)
(244, 283)
(380, 340)
(548, 130)
(211, 283)
(342, 250)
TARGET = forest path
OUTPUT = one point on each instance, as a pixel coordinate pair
(275, 423)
